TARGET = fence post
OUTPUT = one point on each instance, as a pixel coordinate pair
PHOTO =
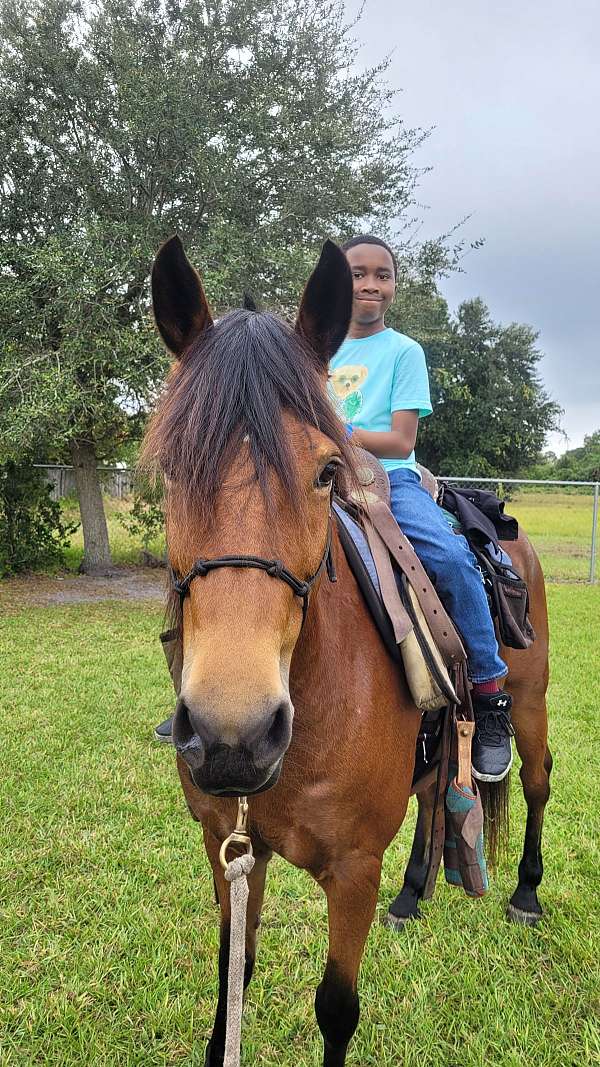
(594, 534)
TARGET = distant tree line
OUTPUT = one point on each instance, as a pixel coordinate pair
(246, 128)
(575, 465)
(491, 412)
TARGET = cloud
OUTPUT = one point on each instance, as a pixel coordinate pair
(513, 91)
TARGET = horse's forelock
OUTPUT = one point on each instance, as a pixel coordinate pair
(238, 380)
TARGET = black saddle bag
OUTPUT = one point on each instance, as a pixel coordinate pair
(509, 601)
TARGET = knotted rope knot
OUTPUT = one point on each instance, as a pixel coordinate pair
(182, 585)
(275, 569)
(240, 866)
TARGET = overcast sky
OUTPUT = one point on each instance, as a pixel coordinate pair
(513, 89)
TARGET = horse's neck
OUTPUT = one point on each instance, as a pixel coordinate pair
(354, 720)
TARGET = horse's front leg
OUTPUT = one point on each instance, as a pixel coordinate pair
(351, 886)
(256, 884)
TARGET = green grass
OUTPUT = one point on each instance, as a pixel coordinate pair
(560, 528)
(109, 932)
(559, 525)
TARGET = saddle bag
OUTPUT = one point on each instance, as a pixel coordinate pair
(509, 602)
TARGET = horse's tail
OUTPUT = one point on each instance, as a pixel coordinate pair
(494, 798)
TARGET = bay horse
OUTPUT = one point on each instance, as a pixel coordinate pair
(288, 695)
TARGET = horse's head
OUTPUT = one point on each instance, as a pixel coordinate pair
(249, 445)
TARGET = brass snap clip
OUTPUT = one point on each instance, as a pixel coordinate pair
(240, 835)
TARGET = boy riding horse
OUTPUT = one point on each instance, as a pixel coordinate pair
(379, 382)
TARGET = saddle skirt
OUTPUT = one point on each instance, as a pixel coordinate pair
(405, 607)
(508, 596)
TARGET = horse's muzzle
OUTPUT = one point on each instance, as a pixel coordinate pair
(240, 785)
(247, 767)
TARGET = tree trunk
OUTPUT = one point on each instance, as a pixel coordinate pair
(96, 549)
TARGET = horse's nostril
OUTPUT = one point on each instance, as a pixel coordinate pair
(278, 732)
(182, 729)
(186, 740)
(185, 736)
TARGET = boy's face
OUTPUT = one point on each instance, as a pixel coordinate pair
(374, 282)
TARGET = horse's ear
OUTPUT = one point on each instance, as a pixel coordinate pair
(180, 307)
(326, 305)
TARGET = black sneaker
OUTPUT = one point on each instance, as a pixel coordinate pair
(163, 732)
(491, 754)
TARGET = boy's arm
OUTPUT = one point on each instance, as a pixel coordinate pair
(397, 443)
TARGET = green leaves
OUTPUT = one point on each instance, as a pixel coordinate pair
(244, 127)
(32, 531)
(580, 464)
(491, 412)
(79, 354)
(249, 129)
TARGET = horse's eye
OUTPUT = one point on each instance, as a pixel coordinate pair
(327, 475)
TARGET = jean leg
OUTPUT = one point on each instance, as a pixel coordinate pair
(452, 568)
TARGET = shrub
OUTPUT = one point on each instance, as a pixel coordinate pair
(32, 532)
(146, 518)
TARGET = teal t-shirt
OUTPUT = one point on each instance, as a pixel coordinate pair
(370, 377)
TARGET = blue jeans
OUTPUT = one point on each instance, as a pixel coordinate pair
(451, 567)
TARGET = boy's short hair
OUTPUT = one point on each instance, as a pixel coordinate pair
(370, 239)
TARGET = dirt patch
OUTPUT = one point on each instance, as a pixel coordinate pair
(39, 590)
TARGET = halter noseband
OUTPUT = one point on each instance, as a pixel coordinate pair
(274, 567)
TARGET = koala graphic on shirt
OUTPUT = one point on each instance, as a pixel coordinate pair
(345, 383)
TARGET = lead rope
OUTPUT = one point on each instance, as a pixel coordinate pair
(236, 872)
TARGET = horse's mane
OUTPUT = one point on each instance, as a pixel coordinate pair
(236, 382)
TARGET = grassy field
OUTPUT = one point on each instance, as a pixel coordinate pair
(109, 932)
(560, 528)
(559, 525)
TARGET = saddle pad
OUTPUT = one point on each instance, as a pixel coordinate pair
(369, 573)
(360, 561)
(407, 626)
(360, 542)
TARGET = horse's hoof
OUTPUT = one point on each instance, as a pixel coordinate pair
(522, 918)
(398, 922)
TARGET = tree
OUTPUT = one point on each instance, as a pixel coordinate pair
(581, 464)
(73, 371)
(242, 125)
(491, 413)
